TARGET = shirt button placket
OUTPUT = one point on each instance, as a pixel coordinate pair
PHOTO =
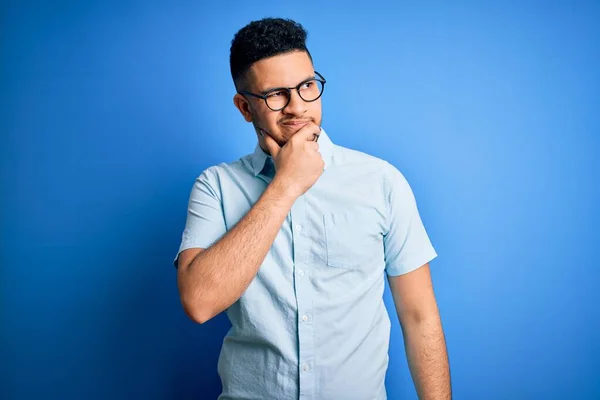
(306, 349)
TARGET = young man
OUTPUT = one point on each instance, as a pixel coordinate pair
(294, 240)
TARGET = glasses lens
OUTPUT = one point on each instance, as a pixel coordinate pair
(311, 90)
(277, 100)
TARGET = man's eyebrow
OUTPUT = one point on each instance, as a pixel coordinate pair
(264, 92)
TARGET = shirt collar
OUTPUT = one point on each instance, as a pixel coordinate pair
(261, 160)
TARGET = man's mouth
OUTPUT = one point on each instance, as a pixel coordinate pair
(296, 122)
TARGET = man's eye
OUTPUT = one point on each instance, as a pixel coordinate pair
(276, 94)
(307, 85)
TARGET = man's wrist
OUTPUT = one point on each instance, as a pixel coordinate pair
(284, 190)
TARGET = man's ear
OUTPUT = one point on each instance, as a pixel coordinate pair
(241, 103)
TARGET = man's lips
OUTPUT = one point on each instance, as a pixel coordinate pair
(292, 124)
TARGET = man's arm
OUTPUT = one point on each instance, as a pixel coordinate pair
(423, 334)
(210, 280)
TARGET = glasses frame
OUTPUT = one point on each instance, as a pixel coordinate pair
(289, 90)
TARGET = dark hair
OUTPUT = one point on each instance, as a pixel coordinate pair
(262, 39)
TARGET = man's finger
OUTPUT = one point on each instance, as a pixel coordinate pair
(308, 132)
(312, 145)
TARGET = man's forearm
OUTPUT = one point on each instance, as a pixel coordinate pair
(428, 358)
(219, 275)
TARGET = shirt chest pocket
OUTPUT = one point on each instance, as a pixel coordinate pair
(353, 240)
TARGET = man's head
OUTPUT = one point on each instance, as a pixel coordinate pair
(269, 54)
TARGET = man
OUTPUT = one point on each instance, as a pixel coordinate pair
(293, 242)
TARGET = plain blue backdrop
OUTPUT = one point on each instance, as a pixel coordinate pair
(109, 110)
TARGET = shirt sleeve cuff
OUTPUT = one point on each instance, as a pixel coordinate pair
(396, 269)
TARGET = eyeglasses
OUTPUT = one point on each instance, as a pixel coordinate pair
(277, 99)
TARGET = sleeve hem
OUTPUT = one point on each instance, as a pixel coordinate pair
(189, 245)
(411, 265)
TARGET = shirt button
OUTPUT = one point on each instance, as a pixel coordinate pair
(301, 272)
(298, 227)
(305, 318)
(305, 367)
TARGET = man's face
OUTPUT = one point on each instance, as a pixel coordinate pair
(287, 70)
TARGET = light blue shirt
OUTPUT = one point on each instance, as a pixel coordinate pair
(313, 324)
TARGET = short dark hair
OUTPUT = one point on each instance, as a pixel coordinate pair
(261, 39)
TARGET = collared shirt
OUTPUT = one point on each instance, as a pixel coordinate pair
(313, 324)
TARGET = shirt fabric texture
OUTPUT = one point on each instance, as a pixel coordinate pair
(313, 324)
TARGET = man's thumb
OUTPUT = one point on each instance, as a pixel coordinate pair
(271, 144)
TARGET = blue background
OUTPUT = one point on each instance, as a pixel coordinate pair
(109, 110)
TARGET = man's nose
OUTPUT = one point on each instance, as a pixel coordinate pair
(296, 106)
